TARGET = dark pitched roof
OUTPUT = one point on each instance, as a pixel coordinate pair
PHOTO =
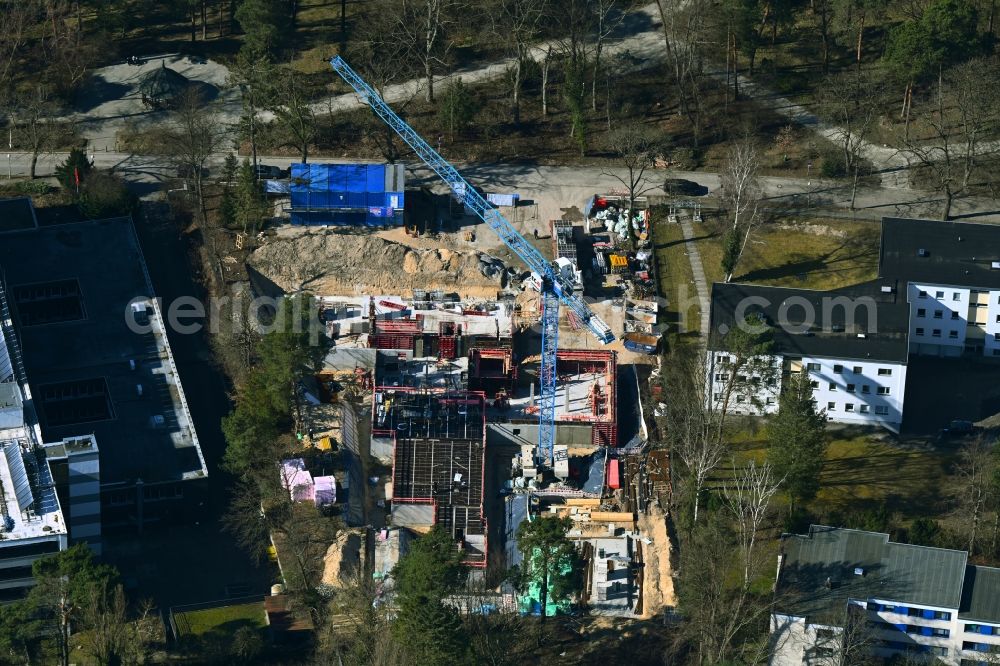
(881, 317)
(956, 253)
(981, 597)
(162, 82)
(823, 569)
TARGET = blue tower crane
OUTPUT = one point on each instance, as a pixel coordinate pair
(555, 287)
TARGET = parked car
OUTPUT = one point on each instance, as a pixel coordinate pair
(267, 172)
(957, 428)
(684, 188)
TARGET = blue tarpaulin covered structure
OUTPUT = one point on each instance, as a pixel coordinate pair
(347, 194)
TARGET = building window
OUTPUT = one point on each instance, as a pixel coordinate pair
(998, 319)
(865, 388)
(953, 335)
(996, 336)
(825, 633)
(922, 294)
(938, 314)
(921, 312)
(881, 410)
(857, 369)
(883, 390)
(838, 369)
(885, 372)
(823, 651)
(850, 388)
(724, 360)
(833, 387)
(740, 399)
(942, 633)
(721, 377)
(717, 397)
(936, 333)
(814, 367)
(769, 401)
(814, 384)
(849, 407)
(956, 296)
(831, 406)
(939, 294)
(954, 315)
(864, 409)
(941, 615)
(920, 331)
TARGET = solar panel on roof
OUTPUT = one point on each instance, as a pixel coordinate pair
(19, 476)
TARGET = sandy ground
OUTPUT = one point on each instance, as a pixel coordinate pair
(343, 558)
(658, 584)
(351, 263)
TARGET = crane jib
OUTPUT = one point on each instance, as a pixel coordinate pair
(465, 193)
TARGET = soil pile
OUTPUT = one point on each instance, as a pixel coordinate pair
(349, 263)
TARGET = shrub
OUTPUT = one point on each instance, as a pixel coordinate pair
(833, 165)
(34, 187)
(76, 164)
(104, 195)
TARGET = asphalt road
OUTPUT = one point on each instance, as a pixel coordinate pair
(558, 188)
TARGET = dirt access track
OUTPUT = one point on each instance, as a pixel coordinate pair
(346, 262)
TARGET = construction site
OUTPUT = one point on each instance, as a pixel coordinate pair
(460, 395)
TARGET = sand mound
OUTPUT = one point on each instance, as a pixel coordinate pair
(344, 262)
(343, 559)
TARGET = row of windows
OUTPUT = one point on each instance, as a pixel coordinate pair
(936, 333)
(850, 388)
(912, 629)
(938, 314)
(910, 647)
(880, 410)
(857, 369)
(982, 629)
(925, 613)
(980, 647)
(955, 295)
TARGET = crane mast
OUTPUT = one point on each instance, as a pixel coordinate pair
(555, 287)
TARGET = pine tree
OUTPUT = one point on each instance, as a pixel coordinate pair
(249, 200)
(797, 440)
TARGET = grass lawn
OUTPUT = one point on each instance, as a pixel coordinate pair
(862, 472)
(224, 619)
(814, 254)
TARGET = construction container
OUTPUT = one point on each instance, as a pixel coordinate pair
(347, 194)
(641, 343)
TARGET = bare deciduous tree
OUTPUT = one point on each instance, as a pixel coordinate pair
(420, 27)
(684, 28)
(15, 19)
(32, 123)
(959, 145)
(748, 497)
(195, 135)
(976, 469)
(294, 112)
(518, 22)
(741, 195)
(854, 101)
(608, 15)
(635, 146)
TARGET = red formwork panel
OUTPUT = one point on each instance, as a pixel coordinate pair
(399, 325)
(391, 341)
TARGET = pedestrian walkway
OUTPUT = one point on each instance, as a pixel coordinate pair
(700, 283)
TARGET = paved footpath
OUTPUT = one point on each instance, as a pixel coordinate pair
(698, 270)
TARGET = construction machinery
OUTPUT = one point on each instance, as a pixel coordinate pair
(556, 287)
